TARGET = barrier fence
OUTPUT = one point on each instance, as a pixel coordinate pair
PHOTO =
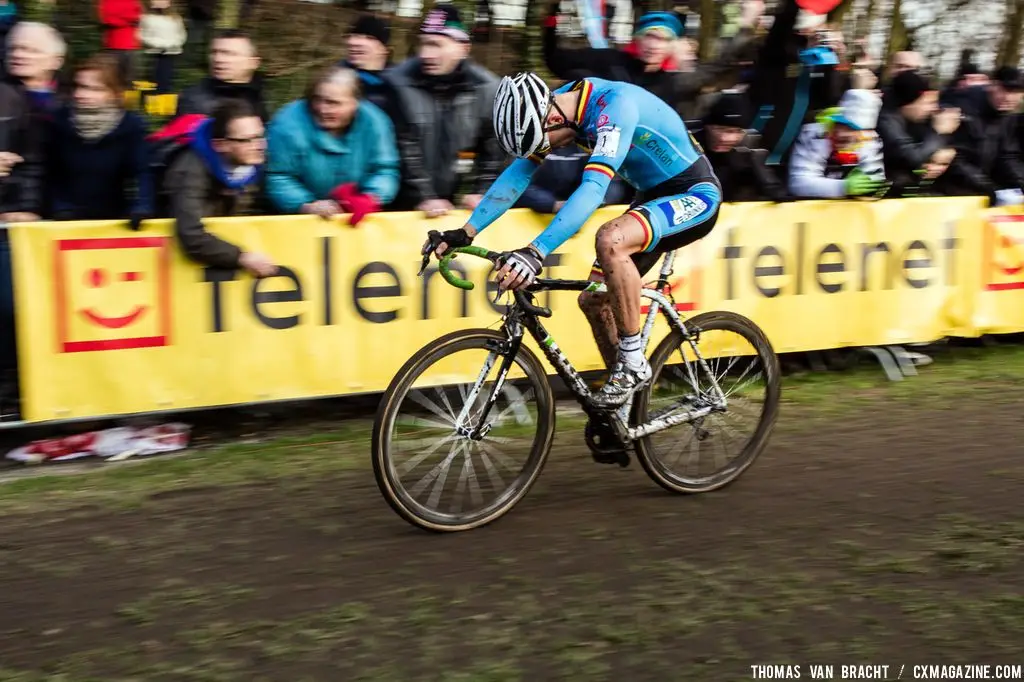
(113, 322)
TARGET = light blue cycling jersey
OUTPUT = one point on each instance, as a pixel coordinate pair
(628, 131)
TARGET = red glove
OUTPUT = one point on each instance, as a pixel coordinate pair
(351, 201)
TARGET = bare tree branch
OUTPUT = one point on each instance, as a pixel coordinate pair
(1013, 29)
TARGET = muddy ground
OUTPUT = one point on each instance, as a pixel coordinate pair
(870, 532)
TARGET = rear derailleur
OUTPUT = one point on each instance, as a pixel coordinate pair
(605, 446)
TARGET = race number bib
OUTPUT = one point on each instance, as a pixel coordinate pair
(607, 142)
(686, 209)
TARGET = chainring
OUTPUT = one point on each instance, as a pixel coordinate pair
(605, 447)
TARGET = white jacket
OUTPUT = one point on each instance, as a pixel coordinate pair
(162, 33)
(812, 176)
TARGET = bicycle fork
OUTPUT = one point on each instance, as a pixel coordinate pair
(508, 352)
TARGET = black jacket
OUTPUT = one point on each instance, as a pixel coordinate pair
(203, 10)
(203, 97)
(445, 116)
(194, 193)
(987, 151)
(1020, 133)
(907, 147)
(21, 133)
(107, 179)
(743, 171)
(676, 88)
(787, 92)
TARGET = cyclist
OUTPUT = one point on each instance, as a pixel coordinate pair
(628, 131)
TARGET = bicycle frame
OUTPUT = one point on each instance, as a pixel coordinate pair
(523, 316)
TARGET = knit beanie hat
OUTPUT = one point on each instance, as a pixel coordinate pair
(858, 109)
(665, 22)
(730, 109)
(444, 20)
(375, 27)
(907, 87)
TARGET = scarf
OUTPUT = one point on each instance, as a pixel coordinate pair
(94, 124)
(232, 177)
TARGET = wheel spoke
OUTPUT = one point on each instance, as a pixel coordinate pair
(429, 405)
(433, 474)
(414, 461)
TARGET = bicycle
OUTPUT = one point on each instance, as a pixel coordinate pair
(430, 383)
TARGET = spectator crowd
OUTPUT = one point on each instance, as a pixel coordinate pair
(787, 111)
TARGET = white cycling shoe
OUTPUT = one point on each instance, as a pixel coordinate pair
(622, 384)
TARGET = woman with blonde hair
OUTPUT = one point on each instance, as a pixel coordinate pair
(332, 152)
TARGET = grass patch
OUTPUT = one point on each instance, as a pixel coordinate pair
(310, 452)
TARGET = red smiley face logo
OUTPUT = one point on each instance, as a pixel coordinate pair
(112, 293)
(1003, 264)
(98, 277)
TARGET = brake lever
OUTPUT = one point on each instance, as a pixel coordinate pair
(432, 244)
(525, 304)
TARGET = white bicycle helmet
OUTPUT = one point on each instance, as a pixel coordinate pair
(520, 109)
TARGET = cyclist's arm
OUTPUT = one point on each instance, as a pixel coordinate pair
(613, 142)
(504, 193)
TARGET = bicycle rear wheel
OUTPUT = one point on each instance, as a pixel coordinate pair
(427, 415)
(739, 381)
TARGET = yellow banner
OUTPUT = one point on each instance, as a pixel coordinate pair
(998, 267)
(112, 321)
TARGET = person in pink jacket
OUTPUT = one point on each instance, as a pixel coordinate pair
(120, 20)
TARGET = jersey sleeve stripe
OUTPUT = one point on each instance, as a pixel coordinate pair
(581, 109)
(600, 168)
(646, 224)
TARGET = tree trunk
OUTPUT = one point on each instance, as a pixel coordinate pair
(708, 12)
(897, 32)
(1009, 50)
(837, 15)
(413, 35)
(228, 15)
(532, 59)
(865, 22)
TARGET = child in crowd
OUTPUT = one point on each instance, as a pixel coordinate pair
(163, 35)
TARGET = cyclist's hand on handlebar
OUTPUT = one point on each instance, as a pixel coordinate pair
(438, 243)
(519, 269)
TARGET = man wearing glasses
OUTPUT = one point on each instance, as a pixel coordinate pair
(219, 174)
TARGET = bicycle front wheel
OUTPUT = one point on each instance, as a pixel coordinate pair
(437, 466)
(726, 371)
